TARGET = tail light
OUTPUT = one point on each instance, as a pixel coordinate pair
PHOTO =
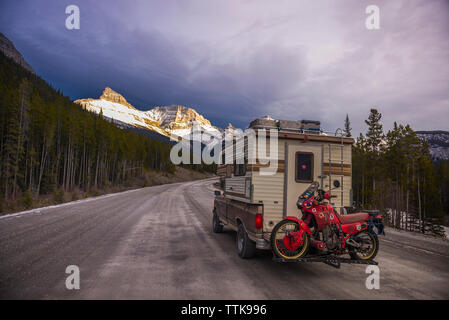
(258, 221)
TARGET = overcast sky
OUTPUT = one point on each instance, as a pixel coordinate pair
(237, 60)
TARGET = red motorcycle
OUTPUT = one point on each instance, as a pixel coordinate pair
(326, 231)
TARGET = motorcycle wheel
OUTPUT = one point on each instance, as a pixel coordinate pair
(369, 246)
(277, 244)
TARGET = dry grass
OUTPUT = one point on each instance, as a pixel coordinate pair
(150, 178)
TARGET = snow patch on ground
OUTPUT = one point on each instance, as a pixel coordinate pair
(66, 204)
(446, 231)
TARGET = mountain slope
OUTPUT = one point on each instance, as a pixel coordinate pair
(438, 142)
(114, 106)
(9, 50)
(49, 144)
(170, 121)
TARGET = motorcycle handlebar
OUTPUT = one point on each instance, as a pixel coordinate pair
(319, 198)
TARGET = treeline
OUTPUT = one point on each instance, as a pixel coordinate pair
(48, 143)
(394, 172)
(443, 185)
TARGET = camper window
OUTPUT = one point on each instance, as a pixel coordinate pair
(239, 169)
(304, 167)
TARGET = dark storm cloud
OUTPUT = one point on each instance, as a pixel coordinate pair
(236, 60)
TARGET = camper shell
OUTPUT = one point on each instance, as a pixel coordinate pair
(257, 202)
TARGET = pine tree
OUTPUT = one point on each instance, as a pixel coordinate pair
(48, 144)
(347, 131)
(374, 139)
(395, 172)
(374, 134)
(358, 172)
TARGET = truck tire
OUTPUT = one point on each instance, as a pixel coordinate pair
(217, 227)
(245, 247)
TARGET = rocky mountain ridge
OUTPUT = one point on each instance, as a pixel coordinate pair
(438, 142)
(8, 48)
(170, 121)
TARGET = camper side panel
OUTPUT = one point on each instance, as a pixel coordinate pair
(336, 169)
(269, 189)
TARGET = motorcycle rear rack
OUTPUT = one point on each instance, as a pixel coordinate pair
(331, 260)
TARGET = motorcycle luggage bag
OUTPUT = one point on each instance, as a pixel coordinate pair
(372, 213)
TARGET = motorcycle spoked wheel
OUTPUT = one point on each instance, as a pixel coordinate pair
(369, 246)
(277, 241)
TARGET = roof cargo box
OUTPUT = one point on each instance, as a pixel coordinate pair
(263, 123)
(310, 124)
(289, 125)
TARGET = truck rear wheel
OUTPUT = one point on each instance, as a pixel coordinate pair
(217, 227)
(245, 247)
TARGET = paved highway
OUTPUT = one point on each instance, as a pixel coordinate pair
(157, 243)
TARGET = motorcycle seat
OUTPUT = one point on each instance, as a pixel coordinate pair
(353, 217)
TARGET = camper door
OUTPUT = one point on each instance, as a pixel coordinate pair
(303, 166)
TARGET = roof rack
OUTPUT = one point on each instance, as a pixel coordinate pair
(309, 127)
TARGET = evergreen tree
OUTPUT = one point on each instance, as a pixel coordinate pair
(395, 172)
(374, 134)
(374, 140)
(48, 144)
(347, 131)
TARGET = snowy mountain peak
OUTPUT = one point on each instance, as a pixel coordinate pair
(110, 95)
(438, 143)
(178, 117)
(171, 121)
(230, 127)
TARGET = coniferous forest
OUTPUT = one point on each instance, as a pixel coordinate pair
(394, 172)
(49, 145)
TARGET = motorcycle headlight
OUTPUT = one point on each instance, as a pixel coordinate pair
(300, 203)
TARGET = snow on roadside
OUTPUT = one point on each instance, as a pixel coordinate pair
(404, 218)
(70, 203)
(446, 231)
(65, 204)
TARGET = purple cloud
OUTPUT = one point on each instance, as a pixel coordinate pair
(237, 60)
